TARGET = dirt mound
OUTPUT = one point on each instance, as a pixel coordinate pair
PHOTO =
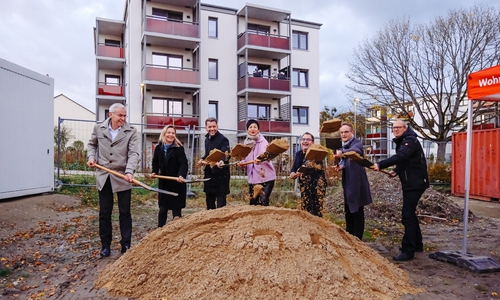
(247, 252)
(388, 201)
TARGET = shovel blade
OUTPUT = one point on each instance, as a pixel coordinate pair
(164, 192)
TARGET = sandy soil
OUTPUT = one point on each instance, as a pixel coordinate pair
(50, 246)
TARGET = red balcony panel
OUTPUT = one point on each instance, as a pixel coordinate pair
(110, 51)
(258, 83)
(110, 90)
(483, 126)
(241, 84)
(269, 126)
(169, 75)
(172, 28)
(376, 151)
(280, 85)
(158, 122)
(242, 125)
(376, 135)
(280, 43)
(264, 41)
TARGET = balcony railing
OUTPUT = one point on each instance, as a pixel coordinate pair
(159, 25)
(110, 89)
(160, 73)
(269, 126)
(376, 135)
(264, 40)
(160, 121)
(109, 51)
(376, 152)
(264, 83)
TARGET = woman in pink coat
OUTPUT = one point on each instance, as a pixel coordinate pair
(261, 173)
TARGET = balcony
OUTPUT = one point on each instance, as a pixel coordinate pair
(264, 83)
(268, 126)
(160, 121)
(264, 40)
(164, 26)
(376, 152)
(109, 90)
(109, 51)
(376, 135)
(159, 73)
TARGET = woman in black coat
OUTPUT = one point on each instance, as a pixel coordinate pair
(170, 159)
(312, 184)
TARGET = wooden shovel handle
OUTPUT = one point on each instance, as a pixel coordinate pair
(167, 177)
(121, 175)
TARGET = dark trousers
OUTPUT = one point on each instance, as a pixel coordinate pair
(163, 212)
(412, 239)
(267, 188)
(212, 199)
(105, 211)
(355, 222)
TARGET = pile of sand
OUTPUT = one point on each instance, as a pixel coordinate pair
(248, 252)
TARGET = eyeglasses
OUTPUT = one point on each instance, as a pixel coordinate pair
(397, 127)
(307, 140)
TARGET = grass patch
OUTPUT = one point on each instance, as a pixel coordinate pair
(5, 272)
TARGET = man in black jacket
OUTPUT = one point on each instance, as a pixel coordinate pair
(217, 187)
(411, 166)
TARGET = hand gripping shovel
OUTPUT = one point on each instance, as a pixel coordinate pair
(183, 180)
(147, 187)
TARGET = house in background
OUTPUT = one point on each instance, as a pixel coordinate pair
(72, 114)
(180, 62)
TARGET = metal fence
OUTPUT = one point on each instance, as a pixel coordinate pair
(71, 137)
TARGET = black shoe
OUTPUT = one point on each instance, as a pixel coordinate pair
(105, 251)
(403, 257)
(125, 248)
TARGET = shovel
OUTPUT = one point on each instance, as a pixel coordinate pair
(147, 187)
(183, 180)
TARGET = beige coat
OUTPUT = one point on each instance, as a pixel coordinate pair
(121, 155)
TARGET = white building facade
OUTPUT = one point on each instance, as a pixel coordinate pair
(181, 61)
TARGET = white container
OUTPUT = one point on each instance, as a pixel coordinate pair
(26, 131)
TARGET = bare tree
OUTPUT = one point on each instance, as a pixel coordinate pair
(421, 71)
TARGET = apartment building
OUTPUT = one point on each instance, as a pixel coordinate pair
(182, 61)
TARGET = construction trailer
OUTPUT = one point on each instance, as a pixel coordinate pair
(26, 131)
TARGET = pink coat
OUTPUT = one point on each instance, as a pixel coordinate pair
(264, 171)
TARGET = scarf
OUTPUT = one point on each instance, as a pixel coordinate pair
(251, 140)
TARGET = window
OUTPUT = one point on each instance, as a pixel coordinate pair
(427, 144)
(258, 29)
(167, 14)
(300, 115)
(109, 42)
(259, 111)
(299, 40)
(112, 79)
(300, 78)
(167, 106)
(167, 60)
(213, 109)
(212, 27)
(213, 72)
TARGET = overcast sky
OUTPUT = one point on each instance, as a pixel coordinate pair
(55, 37)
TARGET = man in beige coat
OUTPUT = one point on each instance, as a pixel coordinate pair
(114, 144)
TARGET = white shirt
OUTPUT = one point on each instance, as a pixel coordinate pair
(113, 133)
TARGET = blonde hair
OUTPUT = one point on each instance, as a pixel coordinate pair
(162, 135)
